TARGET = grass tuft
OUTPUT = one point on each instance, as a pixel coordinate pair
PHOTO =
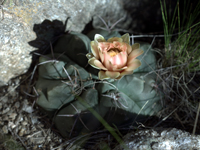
(182, 56)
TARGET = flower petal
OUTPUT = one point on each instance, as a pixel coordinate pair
(99, 38)
(119, 77)
(89, 55)
(105, 46)
(115, 39)
(96, 63)
(135, 53)
(119, 45)
(102, 75)
(94, 48)
(122, 46)
(133, 64)
(115, 68)
(120, 59)
(126, 38)
(112, 74)
(101, 55)
(129, 48)
(107, 63)
(136, 46)
(124, 73)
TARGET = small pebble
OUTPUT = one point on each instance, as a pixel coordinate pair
(24, 123)
(6, 110)
(5, 118)
(18, 119)
(4, 99)
(5, 129)
(21, 132)
(35, 147)
(17, 104)
(0, 105)
(1, 123)
(28, 109)
(12, 116)
(11, 91)
(34, 120)
(11, 125)
(17, 81)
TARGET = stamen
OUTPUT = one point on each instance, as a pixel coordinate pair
(113, 52)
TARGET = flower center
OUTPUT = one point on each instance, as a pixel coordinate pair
(113, 52)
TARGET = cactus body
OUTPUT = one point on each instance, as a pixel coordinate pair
(75, 118)
(124, 101)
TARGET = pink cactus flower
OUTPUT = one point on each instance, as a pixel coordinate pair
(114, 57)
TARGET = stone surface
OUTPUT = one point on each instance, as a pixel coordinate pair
(108, 14)
(14, 49)
(22, 18)
(161, 139)
(5, 129)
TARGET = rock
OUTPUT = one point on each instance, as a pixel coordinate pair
(5, 129)
(26, 107)
(34, 119)
(11, 91)
(17, 105)
(12, 116)
(4, 99)
(5, 117)
(14, 54)
(21, 132)
(24, 123)
(161, 139)
(6, 110)
(108, 14)
(23, 18)
(11, 125)
(1, 123)
(18, 119)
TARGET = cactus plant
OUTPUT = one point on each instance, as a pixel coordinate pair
(58, 82)
(131, 98)
(75, 118)
(75, 45)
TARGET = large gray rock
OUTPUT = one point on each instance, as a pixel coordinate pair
(161, 139)
(21, 16)
(14, 49)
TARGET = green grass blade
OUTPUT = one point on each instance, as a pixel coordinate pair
(104, 123)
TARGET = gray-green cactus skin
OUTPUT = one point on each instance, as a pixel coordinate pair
(75, 118)
(54, 86)
(120, 102)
